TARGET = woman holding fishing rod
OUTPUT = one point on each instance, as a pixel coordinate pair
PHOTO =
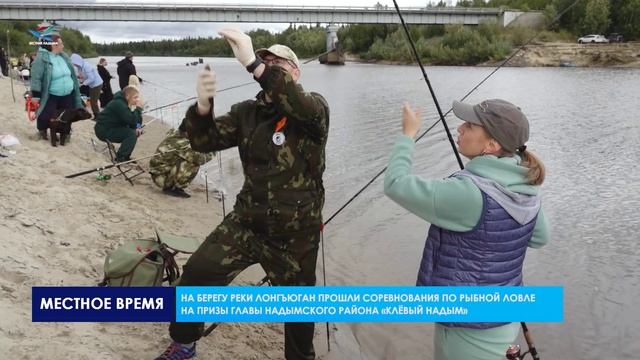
(482, 218)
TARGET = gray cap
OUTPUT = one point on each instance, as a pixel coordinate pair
(280, 51)
(128, 54)
(503, 121)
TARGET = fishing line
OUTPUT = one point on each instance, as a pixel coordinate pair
(442, 117)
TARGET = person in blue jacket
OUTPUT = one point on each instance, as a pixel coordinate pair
(54, 84)
(483, 218)
(88, 76)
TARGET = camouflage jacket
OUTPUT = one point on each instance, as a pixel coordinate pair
(282, 192)
(163, 164)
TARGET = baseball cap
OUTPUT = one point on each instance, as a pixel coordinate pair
(503, 120)
(280, 51)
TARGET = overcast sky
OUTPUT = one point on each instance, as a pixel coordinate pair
(102, 31)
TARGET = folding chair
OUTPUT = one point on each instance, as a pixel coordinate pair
(99, 148)
(124, 171)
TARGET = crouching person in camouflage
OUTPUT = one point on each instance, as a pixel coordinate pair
(276, 220)
(174, 170)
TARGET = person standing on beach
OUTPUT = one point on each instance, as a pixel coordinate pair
(3, 63)
(53, 82)
(105, 75)
(126, 69)
(276, 220)
(26, 61)
(89, 77)
(482, 218)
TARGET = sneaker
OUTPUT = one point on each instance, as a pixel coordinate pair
(177, 351)
(177, 192)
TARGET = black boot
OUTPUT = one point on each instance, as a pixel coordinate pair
(43, 134)
(177, 192)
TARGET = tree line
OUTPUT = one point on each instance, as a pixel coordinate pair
(306, 41)
(584, 17)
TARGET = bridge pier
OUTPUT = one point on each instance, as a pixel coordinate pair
(335, 55)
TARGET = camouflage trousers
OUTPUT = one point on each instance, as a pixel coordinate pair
(231, 248)
(180, 175)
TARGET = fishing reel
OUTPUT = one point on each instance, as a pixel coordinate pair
(515, 353)
(102, 176)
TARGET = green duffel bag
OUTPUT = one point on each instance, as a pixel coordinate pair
(135, 263)
(146, 262)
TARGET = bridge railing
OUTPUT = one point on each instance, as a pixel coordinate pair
(247, 7)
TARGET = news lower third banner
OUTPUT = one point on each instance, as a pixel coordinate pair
(102, 304)
(299, 304)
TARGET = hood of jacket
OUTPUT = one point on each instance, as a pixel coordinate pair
(77, 60)
(505, 180)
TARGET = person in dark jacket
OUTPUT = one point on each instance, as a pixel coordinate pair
(107, 92)
(121, 122)
(3, 62)
(126, 69)
(281, 137)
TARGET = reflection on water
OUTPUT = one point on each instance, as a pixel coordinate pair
(584, 125)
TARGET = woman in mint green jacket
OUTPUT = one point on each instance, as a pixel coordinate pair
(482, 218)
(53, 82)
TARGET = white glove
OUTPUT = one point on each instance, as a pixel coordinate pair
(240, 44)
(206, 88)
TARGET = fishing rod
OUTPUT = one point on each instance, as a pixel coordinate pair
(164, 87)
(219, 91)
(522, 47)
(213, 326)
(448, 111)
(185, 100)
(265, 279)
(324, 282)
(528, 337)
(317, 56)
(195, 97)
(120, 163)
(224, 211)
(426, 79)
(206, 186)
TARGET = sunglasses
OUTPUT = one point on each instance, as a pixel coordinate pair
(278, 61)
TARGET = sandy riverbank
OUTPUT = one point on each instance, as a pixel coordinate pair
(625, 55)
(57, 231)
(555, 54)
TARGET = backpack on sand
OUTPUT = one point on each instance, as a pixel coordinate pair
(147, 262)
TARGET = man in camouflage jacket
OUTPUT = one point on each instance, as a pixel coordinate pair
(178, 165)
(276, 220)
